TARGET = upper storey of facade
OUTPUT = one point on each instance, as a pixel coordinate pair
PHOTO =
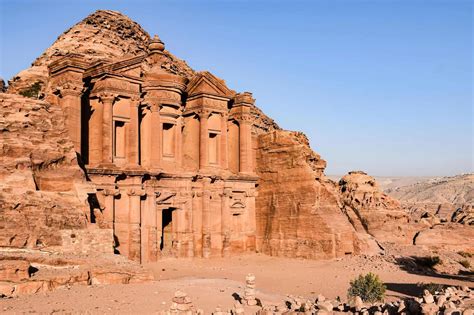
(142, 114)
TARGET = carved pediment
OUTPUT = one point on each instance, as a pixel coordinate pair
(206, 83)
(165, 198)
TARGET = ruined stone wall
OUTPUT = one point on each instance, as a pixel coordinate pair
(40, 180)
(297, 211)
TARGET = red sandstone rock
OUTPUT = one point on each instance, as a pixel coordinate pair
(298, 214)
(452, 237)
(371, 210)
(40, 180)
(14, 270)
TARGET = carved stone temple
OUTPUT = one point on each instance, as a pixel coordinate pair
(118, 145)
(172, 158)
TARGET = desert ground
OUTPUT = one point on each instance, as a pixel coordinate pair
(220, 281)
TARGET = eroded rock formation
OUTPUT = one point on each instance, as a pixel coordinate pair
(371, 210)
(298, 212)
(41, 184)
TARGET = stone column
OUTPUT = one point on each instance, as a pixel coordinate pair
(133, 133)
(149, 242)
(109, 197)
(95, 133)
(179, 141)
(224, 150)
(135, 220)
(107, 100)
(145, 137)
(251, 242)
(197, 222)
(206, 220)
(245, 128)
(155, 137)
(225, 225)
(71, 104)
(203, 140)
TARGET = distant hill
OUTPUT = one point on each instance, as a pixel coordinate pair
(455, 190)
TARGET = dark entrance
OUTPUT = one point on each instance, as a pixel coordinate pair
(166, 244)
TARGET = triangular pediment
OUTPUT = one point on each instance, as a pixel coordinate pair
(206, 83)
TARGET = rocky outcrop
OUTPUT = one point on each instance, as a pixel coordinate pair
(27, 272)
(448, 237)
(3, 87)
(298, 214)
(371, 210)
(442, 208)
(41, 184)
(101, 36)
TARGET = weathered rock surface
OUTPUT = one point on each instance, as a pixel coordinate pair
(32, 271)
(103, 35)
(40, 180)
(371, 210)
(453, 237)
(2, 85)
(298, 214)
(442, 208)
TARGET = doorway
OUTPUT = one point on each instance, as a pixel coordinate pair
(166, 244)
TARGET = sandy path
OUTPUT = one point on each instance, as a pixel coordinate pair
(212, 282)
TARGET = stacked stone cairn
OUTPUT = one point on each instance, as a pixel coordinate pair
(182, 305)
(249, 294)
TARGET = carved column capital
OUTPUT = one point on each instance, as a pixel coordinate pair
(204, 113)
(111, 192)
(68, 89)
(136, 192)
(244, 118)
(135, 101)
(106, 97)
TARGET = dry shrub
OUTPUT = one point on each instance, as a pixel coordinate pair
(369, 288)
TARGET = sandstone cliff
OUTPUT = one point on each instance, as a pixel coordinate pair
(39, 178)
(298, 213)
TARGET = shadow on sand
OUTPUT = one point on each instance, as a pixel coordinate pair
(412, 265)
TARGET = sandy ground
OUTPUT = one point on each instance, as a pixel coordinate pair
(215, 282)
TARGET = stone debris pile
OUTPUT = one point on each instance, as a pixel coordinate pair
(450, 301)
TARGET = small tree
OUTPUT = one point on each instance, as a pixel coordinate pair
(32, 91)
(369, 288)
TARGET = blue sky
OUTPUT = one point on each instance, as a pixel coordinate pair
(380, 86)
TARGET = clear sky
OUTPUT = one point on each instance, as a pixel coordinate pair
(380, 86)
